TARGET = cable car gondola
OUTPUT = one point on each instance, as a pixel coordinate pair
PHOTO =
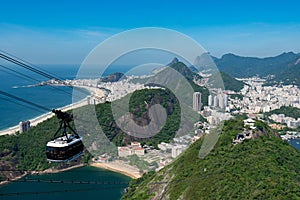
(66, 147)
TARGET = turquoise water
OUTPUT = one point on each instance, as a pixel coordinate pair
(12, 111)
(110, 186)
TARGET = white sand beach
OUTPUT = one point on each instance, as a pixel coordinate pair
(120, 167)
(99, 93)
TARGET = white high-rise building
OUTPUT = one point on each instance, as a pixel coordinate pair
(221, 101)
(24, 126)
(197, 101)
(210, 100)
(226, 100)
(215, 101)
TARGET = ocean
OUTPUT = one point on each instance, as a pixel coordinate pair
(95, 184)
(295, 143)
(12, 111)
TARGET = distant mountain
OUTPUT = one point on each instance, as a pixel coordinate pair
(184, 70)
(230, 83)
(264, 167)
(204, 62)
(174, 61)
(113, 77)
(238, 66)
(290, 75)
(193, 69)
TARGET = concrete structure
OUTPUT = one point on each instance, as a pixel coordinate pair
(124, 151)
(24, 126)
(176, 150)
(215, 102)
(133, 149)
(210, 100)
(197, 101)
(138, 151)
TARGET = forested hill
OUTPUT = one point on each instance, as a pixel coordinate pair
(229, 82)
(27, 151)
(167, 78)
(288, 111)
(238, 66)
(261, 168)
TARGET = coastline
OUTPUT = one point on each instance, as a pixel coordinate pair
(119, 167)
(54, 171)
(35, 121)
(46, 171)
(116, 166)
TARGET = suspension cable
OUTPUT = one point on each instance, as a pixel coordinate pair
(25, 101)
(25, 65)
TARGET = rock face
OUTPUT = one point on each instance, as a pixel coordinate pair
(174, 61)
(114, 77)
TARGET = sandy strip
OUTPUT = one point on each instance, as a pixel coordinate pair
(119, 167)
(13, 179)
(33, 122)
(54, 171)
(47, 171)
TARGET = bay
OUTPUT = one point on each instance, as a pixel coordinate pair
(295, 143)
(110, 185)
(12, 111)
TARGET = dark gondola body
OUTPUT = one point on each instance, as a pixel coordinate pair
(62, 150)
(67, 147)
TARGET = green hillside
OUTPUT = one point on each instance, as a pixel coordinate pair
(167, 78)
(26, 151)
(262, 168)
(229, 82)
(238, 66)
(289, 76)
(288, 111)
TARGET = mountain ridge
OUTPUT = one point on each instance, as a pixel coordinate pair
(241, 66)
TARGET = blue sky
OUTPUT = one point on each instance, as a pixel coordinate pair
(66, 31)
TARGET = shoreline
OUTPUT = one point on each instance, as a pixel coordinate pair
(46, 171)
(119, 167)
(36, 120)
(115, 166)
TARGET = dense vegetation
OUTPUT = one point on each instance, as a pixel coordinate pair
(289, 76)
(288, 111)
(139, 104)
(229, 82)
(262, 168)
(165, 76)
(26, 151)
(238, 66)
